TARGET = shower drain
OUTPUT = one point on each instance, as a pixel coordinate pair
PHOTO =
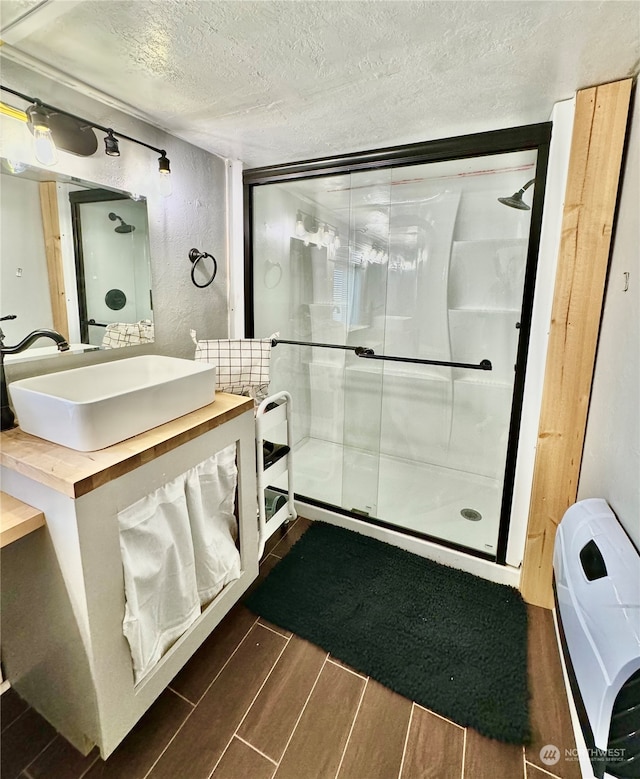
(471, 514)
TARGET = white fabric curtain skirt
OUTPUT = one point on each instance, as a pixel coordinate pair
(178, 551)
(210, 491)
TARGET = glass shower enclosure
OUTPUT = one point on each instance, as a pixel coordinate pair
(398, 287)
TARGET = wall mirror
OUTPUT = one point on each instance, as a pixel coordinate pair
(74, 257)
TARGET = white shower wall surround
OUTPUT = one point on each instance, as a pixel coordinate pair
(178, 548)
(469, 309)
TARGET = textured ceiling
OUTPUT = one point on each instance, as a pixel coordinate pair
(10, 10)
(271, 81)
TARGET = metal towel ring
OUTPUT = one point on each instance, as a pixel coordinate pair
(195, 256)
(269, 265)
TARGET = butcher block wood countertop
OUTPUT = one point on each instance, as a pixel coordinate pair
(77, 473)
(17, 519)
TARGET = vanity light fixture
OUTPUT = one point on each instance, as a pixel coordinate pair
(322, 234)
(54, 128)
(365, 254)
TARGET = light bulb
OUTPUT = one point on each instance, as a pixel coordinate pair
(300, 231)
(336, 242)
(165, 186)
(45, 148)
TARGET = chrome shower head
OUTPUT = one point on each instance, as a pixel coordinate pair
(123, 227)
(515, 200)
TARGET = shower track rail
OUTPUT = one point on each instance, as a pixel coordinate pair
(369, 354)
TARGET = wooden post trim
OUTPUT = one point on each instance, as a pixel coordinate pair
(53, 252)
(592, 188)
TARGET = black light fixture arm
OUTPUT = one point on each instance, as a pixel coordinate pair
(88, 122)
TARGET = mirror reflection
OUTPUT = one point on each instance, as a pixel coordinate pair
(74, 257)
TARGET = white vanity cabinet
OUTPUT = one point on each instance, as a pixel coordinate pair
(63, 599)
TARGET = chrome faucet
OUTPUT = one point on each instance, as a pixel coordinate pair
(8, 417)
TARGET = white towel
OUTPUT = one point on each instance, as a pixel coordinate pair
(243, 364)
(120, 334)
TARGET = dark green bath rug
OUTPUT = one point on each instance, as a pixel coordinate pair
(452, 642)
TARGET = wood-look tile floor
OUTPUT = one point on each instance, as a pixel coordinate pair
(257, 702)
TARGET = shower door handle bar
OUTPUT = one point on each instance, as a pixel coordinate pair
(369, 354)
(483, 365)
(276, 341)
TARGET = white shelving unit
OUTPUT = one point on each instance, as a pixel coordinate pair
(272, 415)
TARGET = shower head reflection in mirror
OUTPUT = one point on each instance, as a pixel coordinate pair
(64, 289)
(123, 227)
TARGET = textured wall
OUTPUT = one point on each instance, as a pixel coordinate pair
(193, 216)
(611, 461)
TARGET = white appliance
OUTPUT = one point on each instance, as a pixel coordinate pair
(597, 586)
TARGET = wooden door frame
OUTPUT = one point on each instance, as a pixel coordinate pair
(597, 146)
(53, 251)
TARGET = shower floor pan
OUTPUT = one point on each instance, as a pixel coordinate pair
(414, 496)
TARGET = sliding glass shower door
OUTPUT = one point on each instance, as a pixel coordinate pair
(406, 291)
(364, 271)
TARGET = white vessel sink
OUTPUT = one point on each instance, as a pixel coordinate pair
(96, 406)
